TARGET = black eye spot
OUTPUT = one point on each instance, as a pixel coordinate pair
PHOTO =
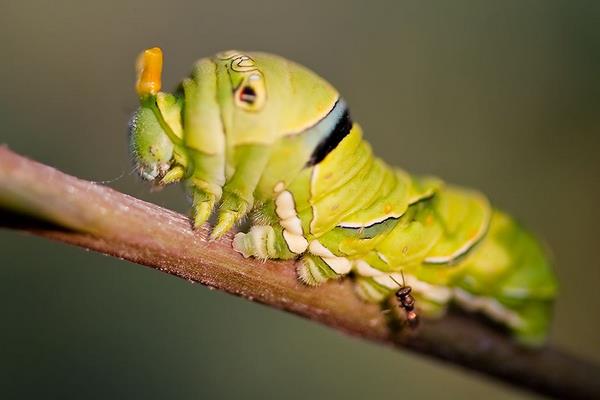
(247, 95)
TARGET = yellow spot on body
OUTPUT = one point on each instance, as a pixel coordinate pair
(149, 70)
(388, 208)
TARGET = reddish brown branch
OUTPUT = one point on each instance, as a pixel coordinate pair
(43, 201)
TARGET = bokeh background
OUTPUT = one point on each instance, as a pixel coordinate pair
(499, 95)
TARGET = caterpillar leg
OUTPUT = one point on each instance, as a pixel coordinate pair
(205, 184)
(313, 271)
(238, 193)
(263, 242)
(533, 322)
(319, 265)
(202, 205)
(175, 174)
(233, 208)
(204, 140)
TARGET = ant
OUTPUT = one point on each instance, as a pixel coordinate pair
(406, 301)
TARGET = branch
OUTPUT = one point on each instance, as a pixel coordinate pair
(45, 202)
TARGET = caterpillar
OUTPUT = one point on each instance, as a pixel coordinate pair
(256, 135)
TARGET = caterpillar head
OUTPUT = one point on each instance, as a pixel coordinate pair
(150, 146)
(149, 130)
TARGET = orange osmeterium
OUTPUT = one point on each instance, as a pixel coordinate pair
(149, 69)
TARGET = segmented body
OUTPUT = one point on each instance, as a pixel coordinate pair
(317, 194)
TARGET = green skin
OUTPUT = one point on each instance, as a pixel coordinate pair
(239, 133)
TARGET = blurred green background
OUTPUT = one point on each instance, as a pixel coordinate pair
(499, 95)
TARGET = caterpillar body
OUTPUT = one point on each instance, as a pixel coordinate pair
(255, 134)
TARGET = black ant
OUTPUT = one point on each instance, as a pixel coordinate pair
(406, 301)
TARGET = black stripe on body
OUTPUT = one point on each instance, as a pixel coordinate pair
(330, 142)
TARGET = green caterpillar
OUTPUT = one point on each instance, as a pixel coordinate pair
(262, 136)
